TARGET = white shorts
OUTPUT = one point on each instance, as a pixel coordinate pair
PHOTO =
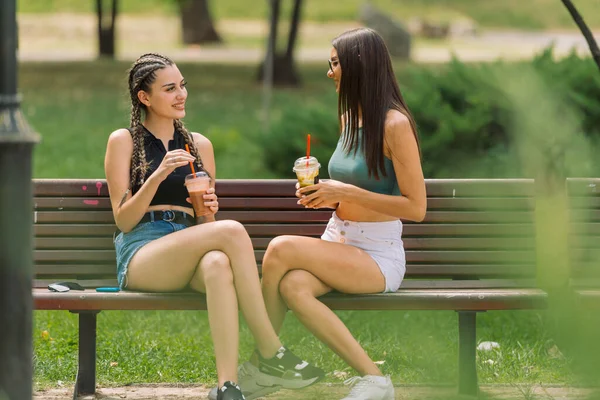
(381, 240)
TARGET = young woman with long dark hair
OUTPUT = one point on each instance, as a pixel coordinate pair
(376, 180)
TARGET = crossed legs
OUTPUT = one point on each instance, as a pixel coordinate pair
(216, 258)
(296, 270)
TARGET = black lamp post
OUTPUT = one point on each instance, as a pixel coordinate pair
(16, 145)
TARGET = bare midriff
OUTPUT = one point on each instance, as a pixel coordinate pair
(355, 212)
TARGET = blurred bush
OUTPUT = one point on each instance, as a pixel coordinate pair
(472, 118)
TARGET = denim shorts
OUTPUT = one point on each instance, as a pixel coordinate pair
(381, 240)
(127, 244)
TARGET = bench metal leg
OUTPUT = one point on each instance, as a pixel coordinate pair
(86, 372)
(467, 366)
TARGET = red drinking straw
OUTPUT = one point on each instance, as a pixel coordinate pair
(187, 148)
(307, 149)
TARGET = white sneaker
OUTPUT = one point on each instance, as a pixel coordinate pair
(370, 387)
(248, 379)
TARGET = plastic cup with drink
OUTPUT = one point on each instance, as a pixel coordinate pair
(307, 171)
(197, 184)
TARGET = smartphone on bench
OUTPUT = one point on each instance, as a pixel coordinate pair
(64, 286)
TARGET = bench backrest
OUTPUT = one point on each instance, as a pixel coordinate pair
(584, 231)
(474, 229)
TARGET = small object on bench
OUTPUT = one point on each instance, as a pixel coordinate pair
(108, 289)
(64, 286)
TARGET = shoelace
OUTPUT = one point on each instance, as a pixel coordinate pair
(358, 383)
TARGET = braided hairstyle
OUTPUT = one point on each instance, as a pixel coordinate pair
(141, 76)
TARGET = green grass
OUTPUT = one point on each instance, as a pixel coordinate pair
(533, 14)
(415, 347)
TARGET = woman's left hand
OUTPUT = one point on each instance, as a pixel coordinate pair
(211, 201)
(326, 194)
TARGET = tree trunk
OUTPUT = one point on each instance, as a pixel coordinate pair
(587, 34)
(196, 23)
(283, 69)
(106, 29)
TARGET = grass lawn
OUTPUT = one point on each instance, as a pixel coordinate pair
(75, 106)
(413, 347)
(533, 14)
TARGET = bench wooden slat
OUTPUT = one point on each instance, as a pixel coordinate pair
(290, 203)
(404, 299)
(241, 216)
(448, 270)
(583, 187)
(581, 241)
(432, 299)
(589, 299)
(499, 257)
(586, 283)
(585, 215)
(585, 255)
(79, 230)
(282, 187)
(408, 284)
(108, 269)
(585, 228)
(59, 243)
(72, 203)
(78, 242)
(70, 187)
(589, 202)
(524, 230)
(77, 270)
(294, 216)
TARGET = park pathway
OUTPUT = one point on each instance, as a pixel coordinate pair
(324, 391)
(72, 37)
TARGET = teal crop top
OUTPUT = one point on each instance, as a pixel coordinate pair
(352, 168)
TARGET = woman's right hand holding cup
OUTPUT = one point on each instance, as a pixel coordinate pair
(172, 160)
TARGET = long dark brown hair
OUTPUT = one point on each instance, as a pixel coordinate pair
(368, 83)
(141, 76)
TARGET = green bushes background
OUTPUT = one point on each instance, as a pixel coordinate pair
(470, 119)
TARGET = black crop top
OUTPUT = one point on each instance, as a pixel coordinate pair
(171, 191)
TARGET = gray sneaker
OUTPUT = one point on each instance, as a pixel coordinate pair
(283, 370)
(254, 383)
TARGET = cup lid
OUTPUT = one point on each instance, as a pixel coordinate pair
(199, 174)
(300, 163)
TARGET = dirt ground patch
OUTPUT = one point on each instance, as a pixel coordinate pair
(324, 391)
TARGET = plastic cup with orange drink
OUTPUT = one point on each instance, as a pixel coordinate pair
(197, 184)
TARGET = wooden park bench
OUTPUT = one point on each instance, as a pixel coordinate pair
(584, 240)
(474, 252)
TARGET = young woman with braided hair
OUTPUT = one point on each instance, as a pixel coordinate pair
(160, 249)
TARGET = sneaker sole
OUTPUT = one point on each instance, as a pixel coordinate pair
(255, 395)
(286, 383)
(272, 388)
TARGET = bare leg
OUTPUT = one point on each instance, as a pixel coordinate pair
(300, 276)
(169, 263)
(214, 277)
(300, 290)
